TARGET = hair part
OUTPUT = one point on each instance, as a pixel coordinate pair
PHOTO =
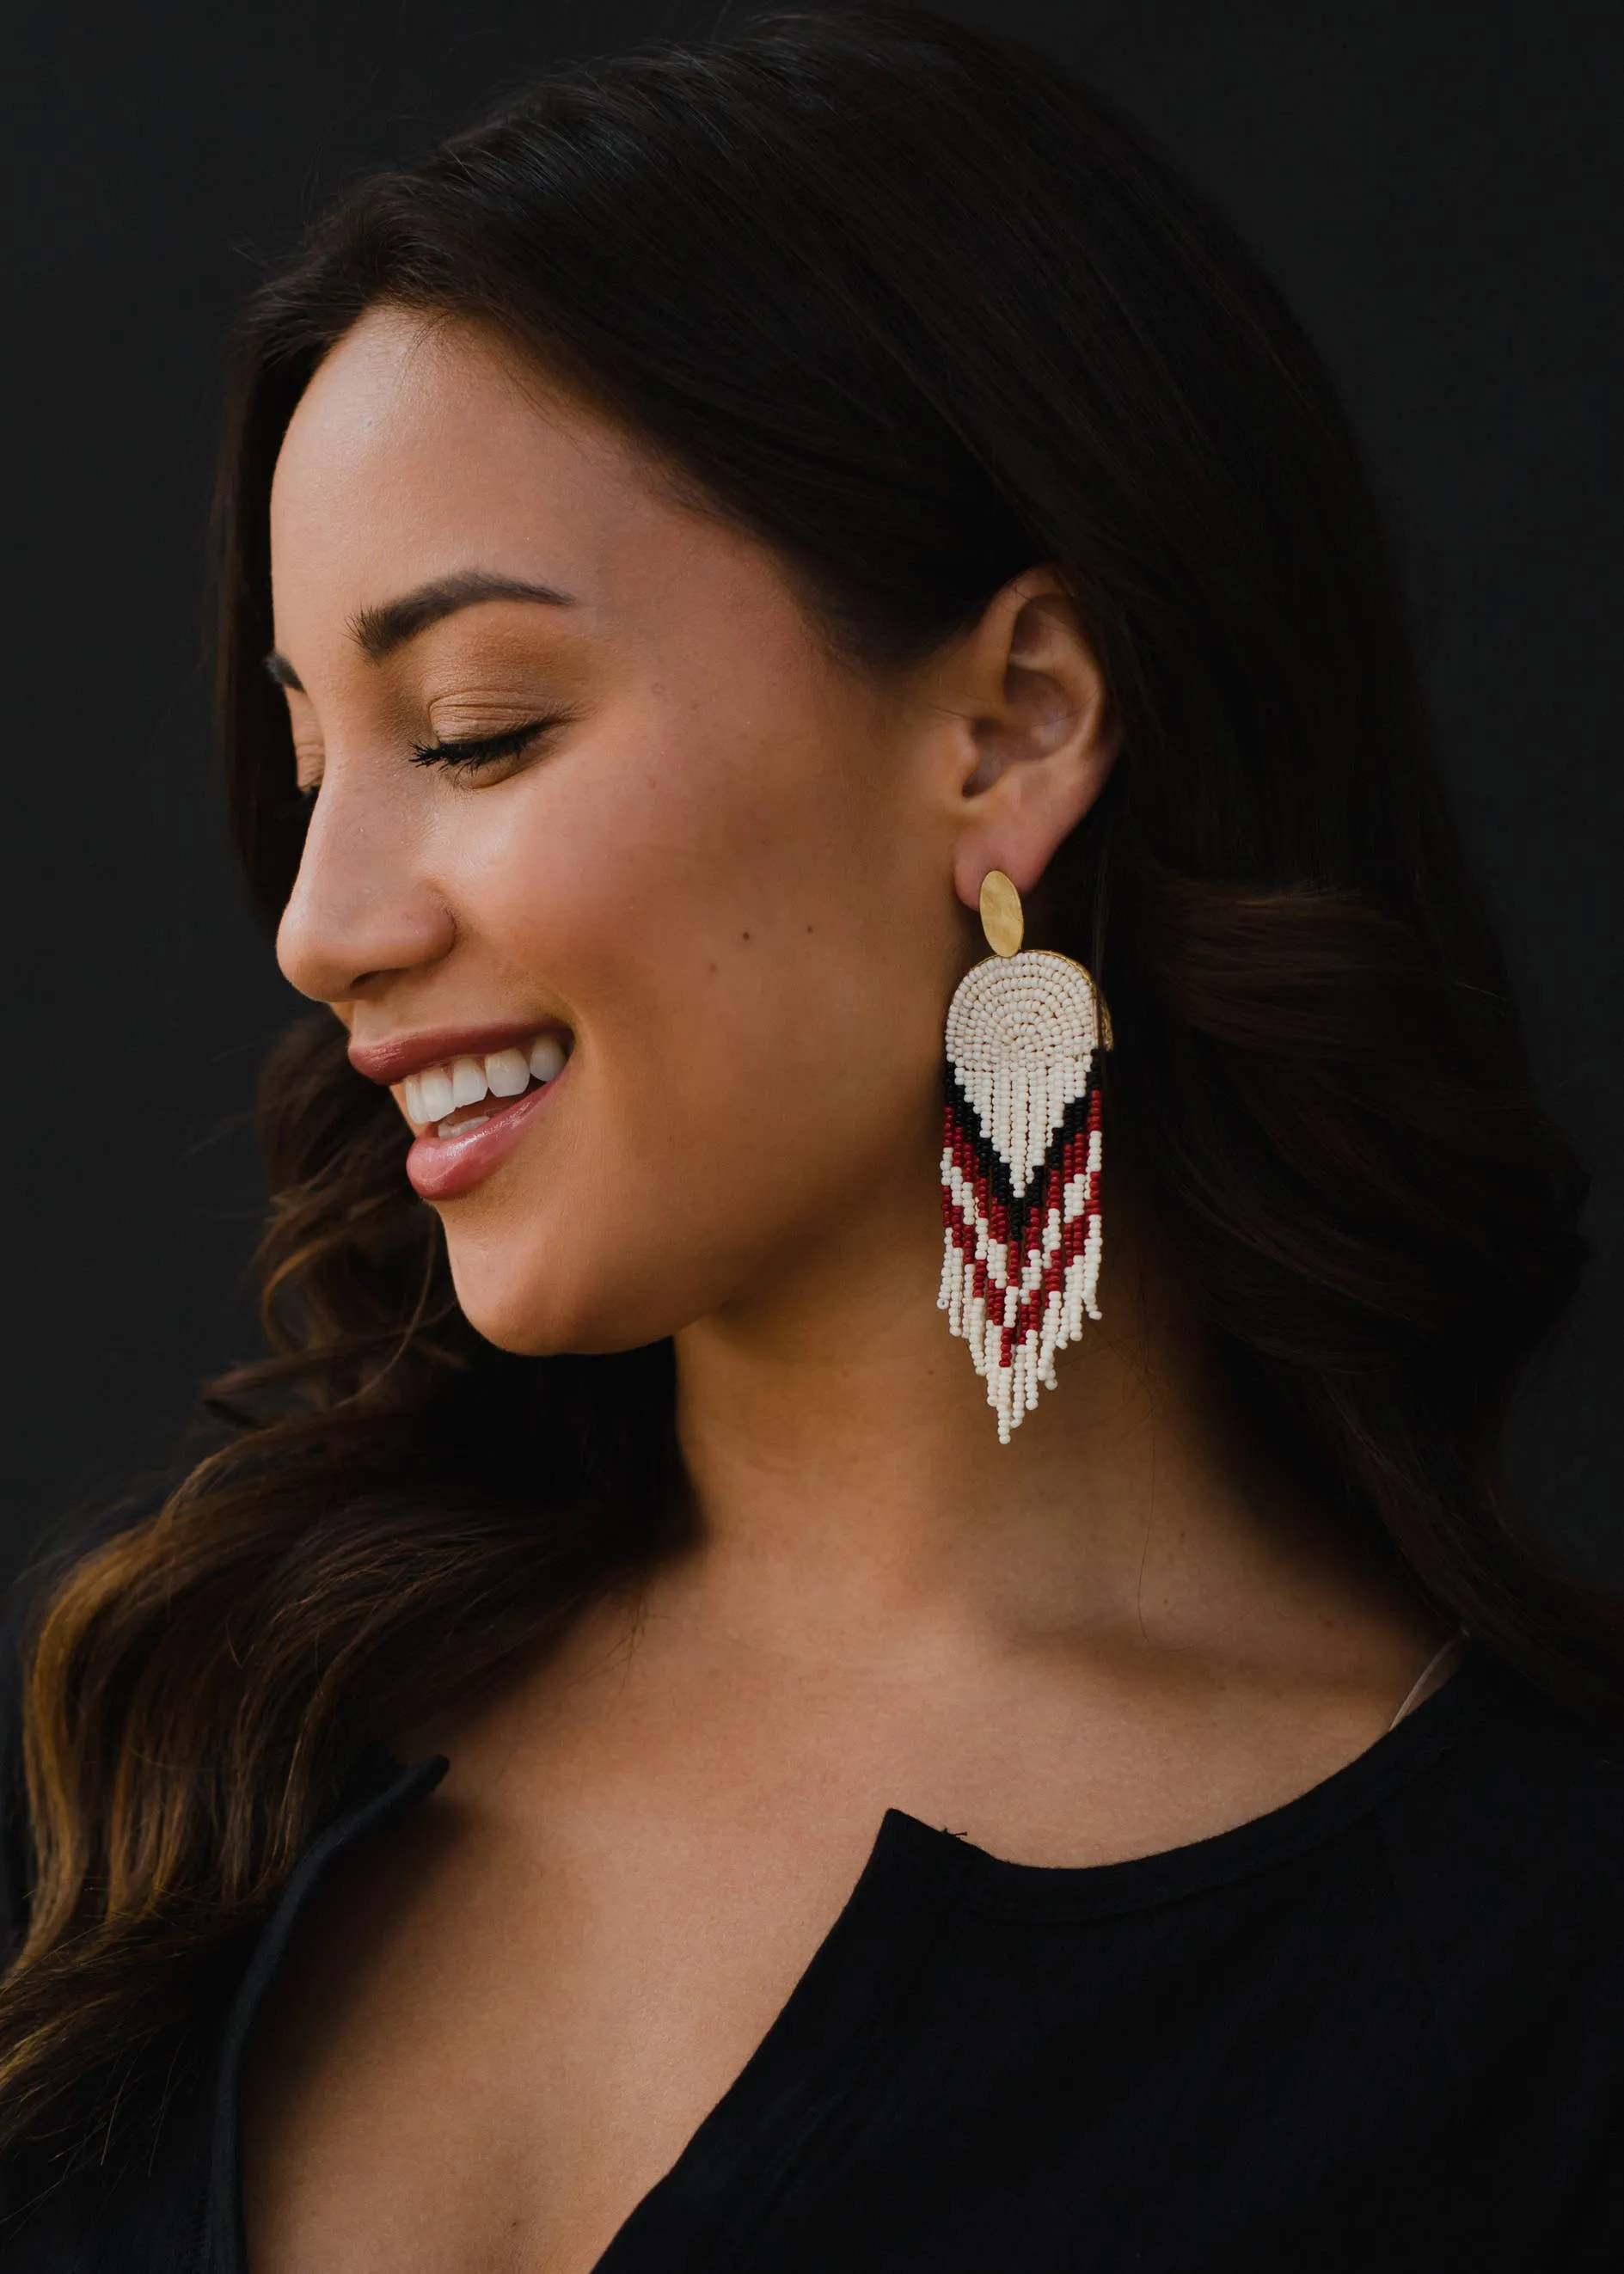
(920, 312)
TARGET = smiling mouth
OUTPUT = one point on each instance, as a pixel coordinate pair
(450, 1099)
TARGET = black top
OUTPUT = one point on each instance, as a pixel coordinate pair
(1379, 2028)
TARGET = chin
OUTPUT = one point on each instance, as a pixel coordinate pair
(536, 1309)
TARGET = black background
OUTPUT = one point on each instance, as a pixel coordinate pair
(1434, 182)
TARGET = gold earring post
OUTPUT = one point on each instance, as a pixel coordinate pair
(1002, 917)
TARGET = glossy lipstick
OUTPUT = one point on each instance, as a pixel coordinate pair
(488, 1082)
(443, 1168)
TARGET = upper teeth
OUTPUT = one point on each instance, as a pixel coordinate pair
(436, 1091)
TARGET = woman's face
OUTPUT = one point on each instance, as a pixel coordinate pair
(690, 870)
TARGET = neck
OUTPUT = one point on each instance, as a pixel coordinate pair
(849, 1480)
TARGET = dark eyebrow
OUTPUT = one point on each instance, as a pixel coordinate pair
(381, 631)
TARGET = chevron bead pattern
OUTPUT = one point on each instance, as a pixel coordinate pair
(1020, 1171)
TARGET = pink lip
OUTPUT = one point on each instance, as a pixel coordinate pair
(443, 1168)
(387, 1063)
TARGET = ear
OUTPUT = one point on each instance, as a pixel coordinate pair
(1033, 741)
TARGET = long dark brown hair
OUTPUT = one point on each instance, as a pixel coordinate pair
(920, 313)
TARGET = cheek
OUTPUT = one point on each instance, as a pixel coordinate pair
(754, 979)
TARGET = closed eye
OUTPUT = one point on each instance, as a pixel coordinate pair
(472, 752)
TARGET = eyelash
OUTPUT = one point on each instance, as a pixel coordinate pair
(470, 754)
(484, 750)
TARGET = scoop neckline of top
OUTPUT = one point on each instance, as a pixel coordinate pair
(906, 1853)
(908, 1848)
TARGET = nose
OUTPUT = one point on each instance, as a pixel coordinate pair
(361, 909)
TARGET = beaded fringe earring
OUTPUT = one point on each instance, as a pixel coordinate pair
(1020, 1158)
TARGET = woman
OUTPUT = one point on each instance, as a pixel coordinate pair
(702, 544)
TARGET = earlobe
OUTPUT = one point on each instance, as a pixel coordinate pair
(1043, 739)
